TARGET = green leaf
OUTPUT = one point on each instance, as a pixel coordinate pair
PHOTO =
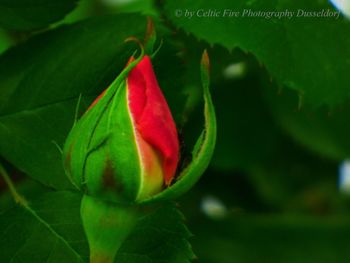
(33, 14)
(48, 230)
(299, 52)
(158, 237)
(40, 84)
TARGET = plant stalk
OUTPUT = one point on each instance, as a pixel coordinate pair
(106, 225)
(16, 196)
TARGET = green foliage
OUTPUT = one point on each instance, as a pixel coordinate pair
(33, 14)
(299, 53)
(283, 127)
(40, 90)
(49, 229)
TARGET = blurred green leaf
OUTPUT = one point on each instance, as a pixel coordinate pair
(272, 238)
(299, 52)
(5, 41)
(33, 14)
(326, 132)
(50, 230)
(247, 134)
(296, 181)
(41, 81)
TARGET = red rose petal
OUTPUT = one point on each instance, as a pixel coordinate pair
(152, 116)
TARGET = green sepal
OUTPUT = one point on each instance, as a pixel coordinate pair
(113, 170)
(86, 138)
(203, 150)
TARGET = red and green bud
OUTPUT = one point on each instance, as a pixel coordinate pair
(125, 147)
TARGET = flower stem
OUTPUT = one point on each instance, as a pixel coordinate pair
(106, 225)
(16, 196)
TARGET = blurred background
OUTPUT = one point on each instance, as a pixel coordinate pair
(278, 187)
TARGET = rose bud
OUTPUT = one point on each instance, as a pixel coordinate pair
(125, 148)
(124, 152)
